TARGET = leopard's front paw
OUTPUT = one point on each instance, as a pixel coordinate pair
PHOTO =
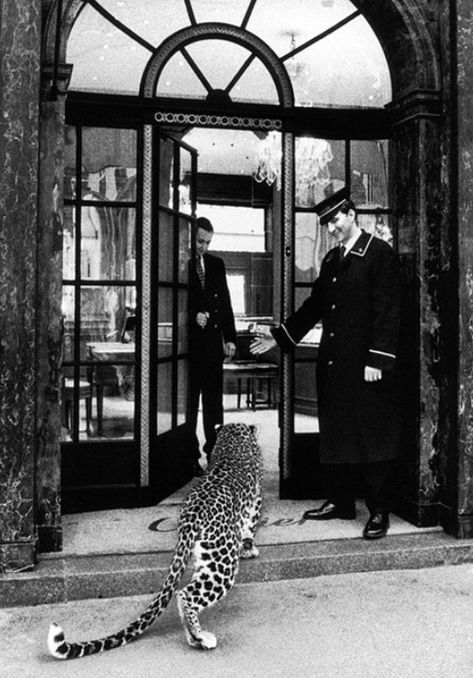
(249, 549)
(205, 641)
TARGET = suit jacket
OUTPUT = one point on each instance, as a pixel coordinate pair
(207, 344)
(357, 298)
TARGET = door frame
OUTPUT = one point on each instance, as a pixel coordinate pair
(165, 459)
(181, 115)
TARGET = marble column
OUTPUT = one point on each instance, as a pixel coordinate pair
(49, 322)
(20, 40)
(462, 170)
(417, 211)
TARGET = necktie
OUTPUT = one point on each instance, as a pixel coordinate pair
(342, 251)
(200, 271)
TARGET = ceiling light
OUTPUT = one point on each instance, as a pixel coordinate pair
(312, 158)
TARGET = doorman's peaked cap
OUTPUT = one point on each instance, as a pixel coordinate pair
(329, 207)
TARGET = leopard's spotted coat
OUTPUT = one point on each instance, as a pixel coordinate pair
(217, 524)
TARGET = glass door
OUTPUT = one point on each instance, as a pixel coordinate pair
(172, 217)
(100, 316)
(126, 245)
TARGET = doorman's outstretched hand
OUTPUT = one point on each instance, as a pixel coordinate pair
(261, 344)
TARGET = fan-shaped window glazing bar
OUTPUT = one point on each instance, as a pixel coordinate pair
(248, 14)
(196, 69)
(321, 36)
(118, 24)
(190, 12)
(240, 72)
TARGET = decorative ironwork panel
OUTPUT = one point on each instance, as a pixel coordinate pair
(287, 270)
(203, 120)
(146, 308)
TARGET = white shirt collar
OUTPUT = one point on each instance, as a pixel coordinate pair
(349, 243)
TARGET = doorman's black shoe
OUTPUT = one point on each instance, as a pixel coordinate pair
(377, 526)
(328, 511)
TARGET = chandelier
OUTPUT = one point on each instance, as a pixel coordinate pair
(268, 158)
(312, 157)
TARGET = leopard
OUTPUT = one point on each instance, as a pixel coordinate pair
(217, 527)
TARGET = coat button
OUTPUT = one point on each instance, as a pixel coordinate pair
(334, 279)
(331, 335)
(333, 307)
(330, 362)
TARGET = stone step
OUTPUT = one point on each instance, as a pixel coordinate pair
(60, 579)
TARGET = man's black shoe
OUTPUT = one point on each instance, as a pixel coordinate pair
(197, 470)
(328, 511)
(377, 526)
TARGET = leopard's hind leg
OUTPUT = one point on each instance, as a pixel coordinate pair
(214, 575)
(249, 524)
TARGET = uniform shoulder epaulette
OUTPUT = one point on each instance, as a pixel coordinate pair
(362, 244)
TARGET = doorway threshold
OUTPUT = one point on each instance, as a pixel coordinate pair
(128, 551)
(153, 529)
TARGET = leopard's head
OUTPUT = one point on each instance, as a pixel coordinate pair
(235, 433)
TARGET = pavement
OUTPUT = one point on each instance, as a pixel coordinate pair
(381, 624)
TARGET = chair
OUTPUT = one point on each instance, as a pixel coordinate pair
(106, 376)
(128, 330)
(256, 373)
(85, 393)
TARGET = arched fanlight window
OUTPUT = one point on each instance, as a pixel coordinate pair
(330, 52)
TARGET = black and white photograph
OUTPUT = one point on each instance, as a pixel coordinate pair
(236, 338)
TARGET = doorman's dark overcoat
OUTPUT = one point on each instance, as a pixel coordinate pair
(357, 299)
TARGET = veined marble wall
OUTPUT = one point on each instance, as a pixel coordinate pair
(464, 159)
(50, 338)
(20, 39)
(416, 181)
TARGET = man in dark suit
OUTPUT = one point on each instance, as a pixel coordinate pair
(212, 335)
(357, 298)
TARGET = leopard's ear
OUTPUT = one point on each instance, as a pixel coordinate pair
(254, 428)
(217, 427)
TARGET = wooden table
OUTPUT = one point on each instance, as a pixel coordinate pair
(252, 371)
(109, 352)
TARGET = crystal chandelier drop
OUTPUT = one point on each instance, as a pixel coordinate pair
(312, 171)
(312, 157)
(268, 160)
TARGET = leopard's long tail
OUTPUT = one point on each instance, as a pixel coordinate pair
(60, 648)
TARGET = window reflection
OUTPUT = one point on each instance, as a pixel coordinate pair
(369, 179)
(99, 269)
(109, 163)
(108, 244)
(379, 225)
(164, 393)
(368, 188)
